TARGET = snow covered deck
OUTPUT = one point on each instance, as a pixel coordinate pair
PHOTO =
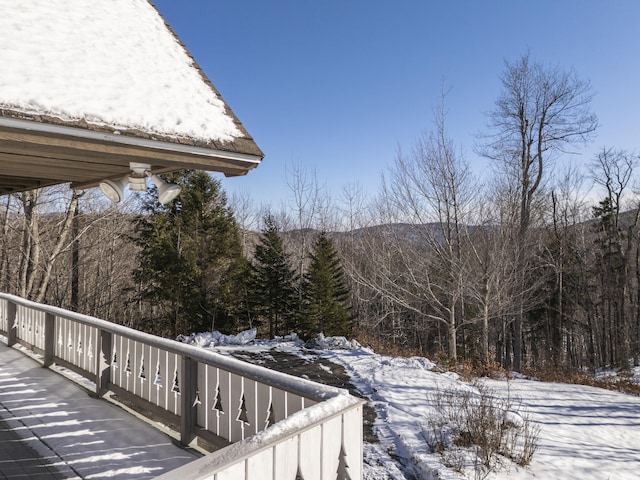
(267, 425)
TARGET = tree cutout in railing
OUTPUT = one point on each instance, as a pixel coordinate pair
(70, 342)
(114, 360)
(299, 474)
(90, 350)
(271, 416)
(242, 412)
(343, 466)
(142, 374)
(127, 366)
(175, 387)
(157, 381)
(197, 401)
(79, 348)
(217, 402)
(60, 339)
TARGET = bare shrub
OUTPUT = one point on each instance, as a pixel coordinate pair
(383, 345)
(616, 382)
(477, 429)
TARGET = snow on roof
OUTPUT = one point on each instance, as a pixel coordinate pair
(111, 64)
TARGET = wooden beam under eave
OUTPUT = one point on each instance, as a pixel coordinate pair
(53, 168)
(100, 151)
(15, 185)
(109, 166)
(43, 155)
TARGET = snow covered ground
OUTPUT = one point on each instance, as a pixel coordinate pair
(586, 432)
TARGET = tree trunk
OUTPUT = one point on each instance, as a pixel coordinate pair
(4, 249)
(30, 243)
(453, 347)
(485, 334)
(63, 234)
(75, 260)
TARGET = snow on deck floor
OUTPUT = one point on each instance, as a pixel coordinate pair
(83, 437)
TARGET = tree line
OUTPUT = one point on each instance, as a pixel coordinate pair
(170, 269)
(517, 267)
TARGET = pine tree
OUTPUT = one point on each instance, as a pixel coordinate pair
(326, 293)
(273, 282)
(190, 257)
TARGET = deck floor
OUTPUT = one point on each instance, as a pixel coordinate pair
(18, 460)
(50, 428)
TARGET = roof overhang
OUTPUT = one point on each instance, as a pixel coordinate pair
(87, 89)
(34, 154)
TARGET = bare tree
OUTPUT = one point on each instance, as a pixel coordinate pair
(613, 170)
(45, 230)
(246, 216)
(304, 187)
(351, 208)
(427, 206)
(61, 243)
(5, 244)
(540, 113)
(107, 254)
(30, 254)
(564, 255)
(491, 275)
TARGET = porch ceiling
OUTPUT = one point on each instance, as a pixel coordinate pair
(33, 155)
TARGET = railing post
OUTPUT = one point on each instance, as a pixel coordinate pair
(49, 339)
(103, 362)
(188, 395)
(12, 326)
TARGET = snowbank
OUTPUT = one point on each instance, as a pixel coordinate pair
(587, 433)
(217, 339)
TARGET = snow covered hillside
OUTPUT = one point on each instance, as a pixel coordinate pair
(585, 432)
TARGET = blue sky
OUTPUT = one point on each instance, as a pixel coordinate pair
(336, 86)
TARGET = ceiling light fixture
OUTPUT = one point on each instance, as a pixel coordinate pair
(138, 176)
(137, 180)
(166, 191)
(114, 189)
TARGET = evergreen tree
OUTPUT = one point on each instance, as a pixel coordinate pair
(326, 293)
(190, 257)
(273, 282)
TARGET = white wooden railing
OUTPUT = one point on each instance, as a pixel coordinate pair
(267, 425)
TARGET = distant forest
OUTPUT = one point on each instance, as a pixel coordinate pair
(518, 268)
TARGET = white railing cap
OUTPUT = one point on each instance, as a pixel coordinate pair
(238, 452)
(299, 386)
